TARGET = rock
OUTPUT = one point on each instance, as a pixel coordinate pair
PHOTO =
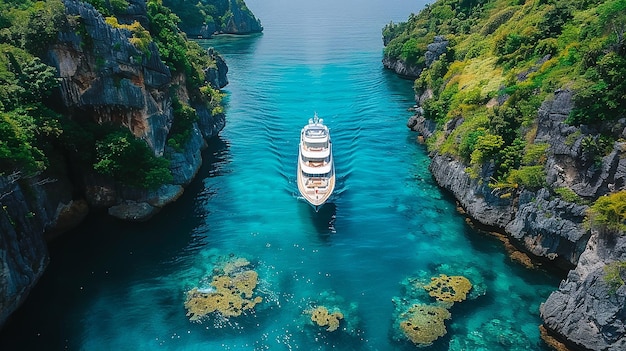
(434, 50)
(438, 47)
(550, 228)
(164, 195)
(474, 195)
(133, 211)
(583, 311)
(242, 20)
(216, 76)
(106, 78)
(28, 207)
(68, 216)
(401, 68)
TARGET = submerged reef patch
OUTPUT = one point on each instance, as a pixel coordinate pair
(449, 288)
(332, 312)
(230, 293)
(424, 305)
(322, 317)
(423, 324)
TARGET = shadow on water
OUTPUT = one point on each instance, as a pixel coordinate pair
(323, 220)
(102, 253)
(243, 45)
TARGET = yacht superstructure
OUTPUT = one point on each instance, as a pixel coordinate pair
(316, 170)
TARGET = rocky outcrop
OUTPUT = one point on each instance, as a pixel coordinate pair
(242, 20)
(217, 75)
(542, 223)
(584, 310)
(239, 20)
(551, 228)
(438, 47)
(103, 78)
(434, 50)
(402, 68)
(30, 206)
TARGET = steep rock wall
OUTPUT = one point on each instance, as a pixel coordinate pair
(584, 310)
(103, 78)
(580, 312)
(242, 22)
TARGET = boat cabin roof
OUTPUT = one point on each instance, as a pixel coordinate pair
(315, 132)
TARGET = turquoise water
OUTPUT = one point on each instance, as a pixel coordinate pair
(114, 285)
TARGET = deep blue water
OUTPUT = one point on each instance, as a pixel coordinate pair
(114, 285)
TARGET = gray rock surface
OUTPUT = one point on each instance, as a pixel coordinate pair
(583, 310)
(434, 50)
(242, 21)
(103, 77)
(402, 68)
(29, 206)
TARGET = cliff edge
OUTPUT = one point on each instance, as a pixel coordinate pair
(115, 90)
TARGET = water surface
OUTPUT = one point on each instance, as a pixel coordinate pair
(114, 285)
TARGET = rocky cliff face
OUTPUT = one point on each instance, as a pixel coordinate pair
(551, 228)
(438, 47)
(584, 310)
(103, 78)
(31, 207)
(242, 21)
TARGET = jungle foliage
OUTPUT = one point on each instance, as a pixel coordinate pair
(212, 13)
(505, 57)
(30, 130)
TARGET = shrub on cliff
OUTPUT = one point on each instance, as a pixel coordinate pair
(130, 161)
(505, 57)
(609, 212)
(32, 25)
(26, 126)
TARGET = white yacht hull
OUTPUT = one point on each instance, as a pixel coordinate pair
(316, 168)
(316, 191)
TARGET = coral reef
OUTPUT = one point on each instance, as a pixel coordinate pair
(230, 294)
(504, 333)
(423, 324)
(322, 317)
(449, 288)
(421, 320)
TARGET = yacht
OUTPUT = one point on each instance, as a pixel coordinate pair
(316, 170)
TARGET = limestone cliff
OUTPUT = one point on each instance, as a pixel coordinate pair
(551, 228)
(206, 18)
(529, 136)
(103, 77)
(584, 309)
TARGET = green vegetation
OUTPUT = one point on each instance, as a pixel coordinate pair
(30, 131)
(182, 127)
(609, 212)
(504, 58)
(140, 36)
(109, 7)
(196, 13)
(569, 195)
(26, 125)
(613, 273)
(130, 161)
